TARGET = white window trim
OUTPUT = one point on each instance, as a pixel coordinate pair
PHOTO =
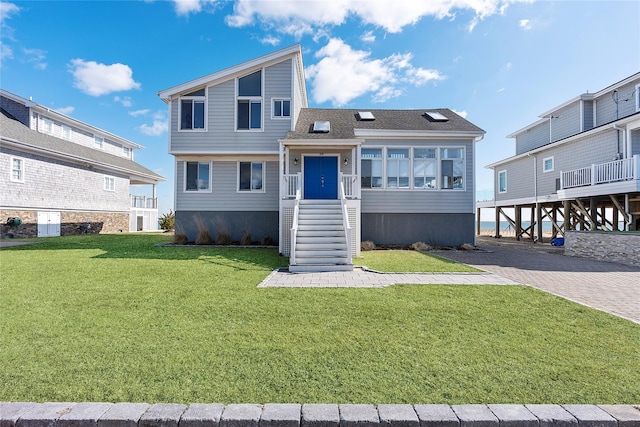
(637, 97)
(273, 103)
(108, 180)
(184, 187)
(544, 161)
(96, 144)
(193, 98)
(126, 151)
(22, 162)
(249, 98)
(384, 167)
(437, 162)
(264, 178)
(464, 168)
(505, 181)
(47, 123)
(66, 129)
(386, 162)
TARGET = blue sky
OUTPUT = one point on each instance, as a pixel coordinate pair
(499, 63)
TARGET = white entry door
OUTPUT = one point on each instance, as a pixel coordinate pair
(48, 224)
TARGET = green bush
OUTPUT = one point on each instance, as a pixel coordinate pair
(168, 220)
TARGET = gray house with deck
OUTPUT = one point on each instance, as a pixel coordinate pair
(252, 158)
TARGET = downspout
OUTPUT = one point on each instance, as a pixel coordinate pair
(627, 150)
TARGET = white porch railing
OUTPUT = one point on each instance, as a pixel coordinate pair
(602, 173)
(294, 229)
(350, 185)
(291, 185)
(345, 220)
(144, 202)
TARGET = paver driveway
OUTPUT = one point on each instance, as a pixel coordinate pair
(606, 286)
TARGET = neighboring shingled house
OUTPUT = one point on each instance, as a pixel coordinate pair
(251, 157)
(61, 176)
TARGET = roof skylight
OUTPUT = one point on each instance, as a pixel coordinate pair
(366, 115)
(321, 126)
(436, 117)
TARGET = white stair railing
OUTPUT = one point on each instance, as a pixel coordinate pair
(290, 185)
(345, 221)
(294, 227)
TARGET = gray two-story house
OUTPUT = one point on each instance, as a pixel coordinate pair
(577, 166)
(252, 158)
(62, 176)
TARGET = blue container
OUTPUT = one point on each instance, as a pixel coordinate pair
(558, 241)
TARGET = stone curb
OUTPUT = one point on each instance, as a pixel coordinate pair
(53, 414)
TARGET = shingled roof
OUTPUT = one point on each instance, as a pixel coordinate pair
(345, 121)
(13, 131)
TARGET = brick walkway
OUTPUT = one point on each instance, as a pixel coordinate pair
(605, 286)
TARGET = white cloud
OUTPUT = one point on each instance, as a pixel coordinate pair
(156, 129)
(305, 17)
(100, 79)
(137, 113)
(502, 89)
(368, 37)
(525, 23)
(125, 101)
(462, 114)
(6, 10)
(37, 57)
(5, 52)
(272, 40)
(66, 110)
(343, 74)
(185, 7)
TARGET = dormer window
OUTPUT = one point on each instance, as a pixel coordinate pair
(192, 110)
(249, 103)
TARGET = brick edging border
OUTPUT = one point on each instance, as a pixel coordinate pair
(29, 414)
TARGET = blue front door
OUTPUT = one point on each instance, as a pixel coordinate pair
(321, 177)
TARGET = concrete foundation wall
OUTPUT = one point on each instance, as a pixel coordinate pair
(20, 414)
(405, 229)
(623, 248)
(259, 224)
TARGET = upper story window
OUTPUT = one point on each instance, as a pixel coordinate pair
(371, 161)
(109, 183)
(47, 125)
(249, 103)
(198, 176)
(192, 110)
(398, 168)
(17, 169)
(425, 168)
(452, 168)
(547, 164)
(251, 176)
(66, 132)
(126, 151)
(502, 182)
(281, 108)
(98, 142)
(638, 97)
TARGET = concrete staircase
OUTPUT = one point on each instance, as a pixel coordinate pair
(321, 244)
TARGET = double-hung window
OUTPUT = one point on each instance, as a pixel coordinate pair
(249, 107)
(98, 142)
(371, 162)
(398, 167)
(126, 151)
(425, 168)
(281, 108)
(251, 176)
(502, 182)
(66, 132)
(547, 164)
(192, 110)
(109, 183)
(198, 176)
(452, 168)
(17, 169)
(47, 125)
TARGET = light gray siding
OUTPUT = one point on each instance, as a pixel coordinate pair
(519, 179)
(55, 184)
(224, 195)
(220, 135)
(587, 115)
(607, 109)
(565, 122)
(298, 101)
(533, 138)
(422, 200)
(635, 142)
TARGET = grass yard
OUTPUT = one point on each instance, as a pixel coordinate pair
(405, 261)
(116, 318)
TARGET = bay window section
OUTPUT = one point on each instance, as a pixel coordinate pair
(398, 167)
(249, 102)
(425, 168)
(371, 164)
(192, 110)
(452, 168)
(251, 176)
(197, 176)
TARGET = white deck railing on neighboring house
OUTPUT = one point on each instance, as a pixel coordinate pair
(144, 202)
(350, 186)
(290, 185)
(601, 173)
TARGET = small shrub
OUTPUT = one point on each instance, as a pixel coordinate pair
(168, 221)
(367, 245)
(421, 247)
(180, 239)
(468, 247)
(223, 238)
(203, 238)
(246, 238)
(267, 241)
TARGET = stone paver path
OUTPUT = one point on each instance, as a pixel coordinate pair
(359, 278)
(606, 286)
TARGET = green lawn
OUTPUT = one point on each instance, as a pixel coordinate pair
(117, 318)
(405, 261)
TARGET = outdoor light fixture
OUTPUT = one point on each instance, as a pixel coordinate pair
(346, 161)
(295, 161)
